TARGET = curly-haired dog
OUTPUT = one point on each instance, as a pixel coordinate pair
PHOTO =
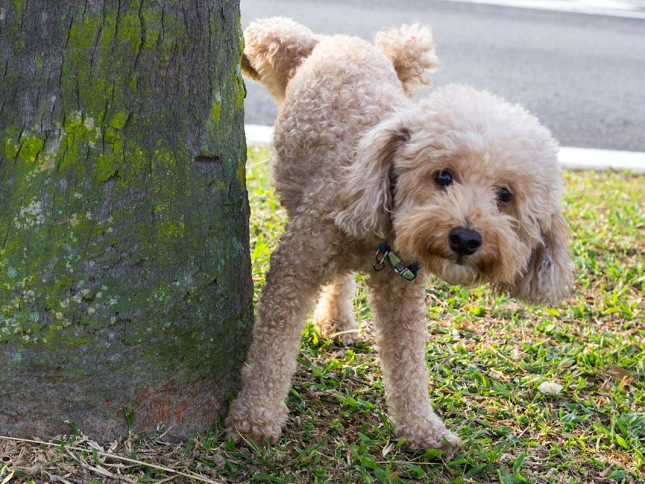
(462, 185)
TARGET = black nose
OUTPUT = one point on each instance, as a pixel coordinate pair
(464, 241)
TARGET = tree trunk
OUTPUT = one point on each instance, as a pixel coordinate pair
(125, 275)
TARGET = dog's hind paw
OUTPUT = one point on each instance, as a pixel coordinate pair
(345, 332)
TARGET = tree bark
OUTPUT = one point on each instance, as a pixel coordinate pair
(125, 276)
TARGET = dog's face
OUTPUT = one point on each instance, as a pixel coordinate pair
(467, 185)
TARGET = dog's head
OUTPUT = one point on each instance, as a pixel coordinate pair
(469, 186)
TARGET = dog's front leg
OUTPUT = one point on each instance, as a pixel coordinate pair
(400, 323)
(292, 284)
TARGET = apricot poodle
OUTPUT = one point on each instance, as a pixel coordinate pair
(462, 185)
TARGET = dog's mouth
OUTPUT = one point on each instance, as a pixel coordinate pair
(454, 270)
(464, 270)
(450, 258)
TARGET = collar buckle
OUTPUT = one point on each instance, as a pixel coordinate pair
(385, 253)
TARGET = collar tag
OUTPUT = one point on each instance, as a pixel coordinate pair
(385, 253)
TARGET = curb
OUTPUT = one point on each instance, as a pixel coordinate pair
(570, 158)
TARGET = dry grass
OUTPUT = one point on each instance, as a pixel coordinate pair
(487, 356)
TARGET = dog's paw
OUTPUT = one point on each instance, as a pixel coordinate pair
(444, 440)
(448, 444)
(352, 337)
(258, 424)
(347, 337)
(345, 331)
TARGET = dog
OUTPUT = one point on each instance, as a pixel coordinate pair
(462, 185)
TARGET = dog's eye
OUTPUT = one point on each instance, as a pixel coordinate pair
(443, 178)
(504, 196)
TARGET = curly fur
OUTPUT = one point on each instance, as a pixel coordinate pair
(355, 163)
(274, 48)
(412, 53)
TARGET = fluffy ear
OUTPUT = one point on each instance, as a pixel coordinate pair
(367, 194)
(549, 273)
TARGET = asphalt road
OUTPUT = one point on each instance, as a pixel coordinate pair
(582, 75)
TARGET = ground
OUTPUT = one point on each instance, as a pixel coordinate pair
(488, 357)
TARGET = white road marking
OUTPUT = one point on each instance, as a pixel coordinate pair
(613, 8)
(572, 158)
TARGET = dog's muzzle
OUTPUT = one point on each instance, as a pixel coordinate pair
(464, 241)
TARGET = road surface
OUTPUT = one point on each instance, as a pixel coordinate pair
(583, 75)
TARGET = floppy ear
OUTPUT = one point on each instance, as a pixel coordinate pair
(549, 273)
(367, 195)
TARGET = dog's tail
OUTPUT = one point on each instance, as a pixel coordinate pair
(411, 50)
(274, 49)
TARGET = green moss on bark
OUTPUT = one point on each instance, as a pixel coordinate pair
(123, 216)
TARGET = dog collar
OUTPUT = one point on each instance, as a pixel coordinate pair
(385, 253)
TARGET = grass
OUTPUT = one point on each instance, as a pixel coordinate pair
(487, 356)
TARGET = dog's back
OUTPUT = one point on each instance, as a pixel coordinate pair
(277, 46)
(330, 90)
